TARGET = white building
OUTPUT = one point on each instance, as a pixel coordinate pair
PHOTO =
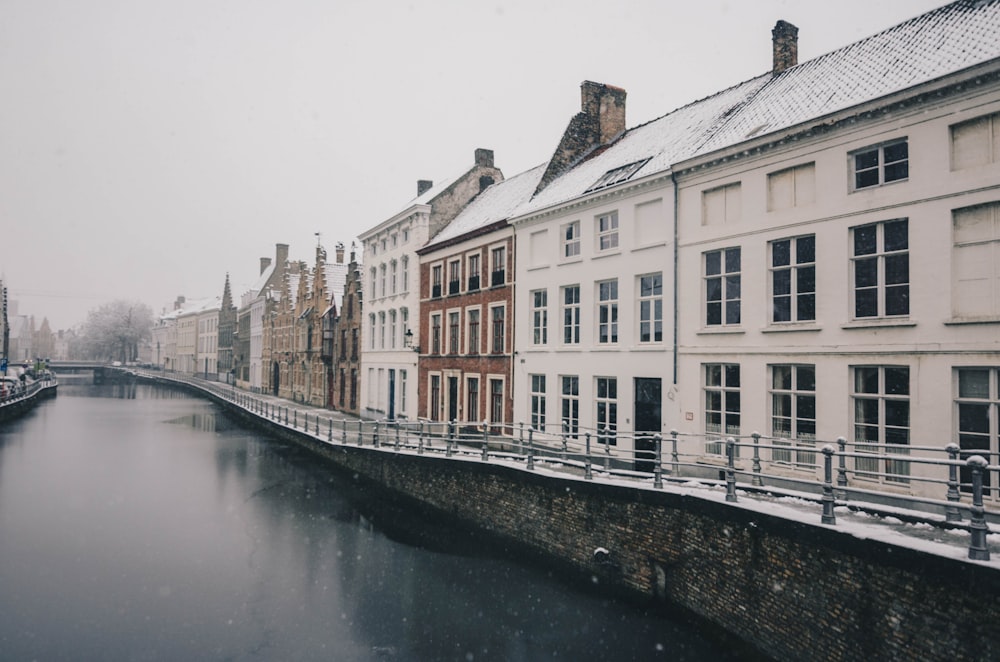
(392, 291)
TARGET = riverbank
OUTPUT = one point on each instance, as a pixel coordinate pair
(23, 402)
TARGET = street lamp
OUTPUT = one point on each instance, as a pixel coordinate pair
(408, 341)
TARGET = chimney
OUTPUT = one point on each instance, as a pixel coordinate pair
(607, 105)
(280, 254)
(339, 252)
(423, 185)
(785, 46)
(265, 262)
(484, 157)
(178, 303)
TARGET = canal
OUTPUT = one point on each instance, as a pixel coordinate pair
(140, 523)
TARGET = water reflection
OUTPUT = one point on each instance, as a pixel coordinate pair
(156, 528)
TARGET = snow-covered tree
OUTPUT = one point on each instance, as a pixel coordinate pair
(113, 331)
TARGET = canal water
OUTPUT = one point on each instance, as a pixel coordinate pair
(139, 523)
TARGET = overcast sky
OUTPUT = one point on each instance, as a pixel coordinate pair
(147, 147)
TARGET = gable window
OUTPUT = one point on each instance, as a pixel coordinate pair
(791, 187)
(976, 262)
(570, 404)
(880, 261)
(881, 399)
(606, 405)
(474, 272)
(436, 278)
(617, 175)
(538, 402)
(539, 317)
(975, 142)
(499, 266)
(607, 312)
(721, 205)
(793, 279)
(977, 405)
(473, 317)
(571, 314)
(651, 308)
(607, 231)
(793, 414)
(882, 164)
(571, 239)
(722, 287)
(454, 276)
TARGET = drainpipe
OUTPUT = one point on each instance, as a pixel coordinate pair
(673, 178)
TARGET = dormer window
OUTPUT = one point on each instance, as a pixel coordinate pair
(617, 175)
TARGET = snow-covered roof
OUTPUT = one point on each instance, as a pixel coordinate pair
(335, 277)
(496, 203)
(199, 306)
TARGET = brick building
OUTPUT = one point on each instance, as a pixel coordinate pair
(343, 350)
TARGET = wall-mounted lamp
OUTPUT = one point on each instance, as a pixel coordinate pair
(408, 341)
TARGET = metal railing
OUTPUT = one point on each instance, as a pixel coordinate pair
(11, 396)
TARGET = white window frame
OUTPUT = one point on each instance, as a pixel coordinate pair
(536, 404)
(722, 380)
(473, 342)
(883, 261)
(569, 240)
(723, 288)
(885, 171)
(606, 232)
(883, 405)
(606, 409)
(570, 314)
(569, 404)
(985, 441)
(607, 311)
(539, 301)
(793, 397)
(800, 264)
(650, 308)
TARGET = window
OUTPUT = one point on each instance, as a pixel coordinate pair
(374, 279)
(435, 334)
(404, 315)
(976, 261)
(472, 399)
(539, 317)
(881, 399)
(497, 323)
(371, 326)
(496, 404)
(381, 330)
(975, 142)
(394, 239)
(607, 312)
(792, 187)
(436, 276)
(571, 315)
(435, 403)
(406, 273)
(383, 244)
(393, 276)
(473, 316)
(406, 235)
(722, 287)
(793, 279)
(722, 404)
(402, 391)
(538, 402)
(454, 276)
(382, 279)
(570, 404)
(607, 231)
(474, 272)
(606, 405)
(499, 261)
(884, 164)
(392, 329)
(617, 175)
(881, 264)
(722, 205)
(453, 333)
(571, 239)
(977, 405)
(793, 414)
(651, 308)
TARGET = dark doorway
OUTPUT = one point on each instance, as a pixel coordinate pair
(276, 378)
(453, 398)
(648, 419)
(392, 394)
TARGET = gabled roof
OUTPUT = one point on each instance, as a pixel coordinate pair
(423, 199)
(335, 278)
(496, 203)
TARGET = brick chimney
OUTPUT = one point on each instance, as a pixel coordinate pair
(280, 254)
(785, 46)
(265, 262)
(484, 157)
(423, 185)
(600, 122)
(339, 252)
(178, 303)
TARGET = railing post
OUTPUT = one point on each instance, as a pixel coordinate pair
(828, 501)
(286, 415)
(756, 460)
(531, 450)
(657, 468)
(295, 419)
(842, 469)
(565, 435)
(486, 442)
(520, 438)
(317, 424)
(375, 434)
(449, 439)
(420, 439)
(951, 511)
(396, 423)
(588, 472)
(343, 439)
(329, 434)
(361, 433)
(606, 440)
(978, 551)
(730, 469)
(675, 465)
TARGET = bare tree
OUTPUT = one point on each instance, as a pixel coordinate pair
(113, 331)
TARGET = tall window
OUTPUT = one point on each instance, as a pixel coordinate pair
(473, 317)
(472, 399)
(607, 231)
(607, 312)
(880, 261)
(793, 413)
(381, 330)
(454, 276)
(651, 308)
(374, 278)
(436, 277)
(793, 279)
(406, 272)
(435, 404)
(474, 272)
(393, 276)
(975, 142)
(571, 314)
(978, 408)
(538, 402)
(453, 333)
(402, 391)
(497, 313)
(722, 403)
(722, 287)
(371, 330)
(392, 329)
(382, 270)
(571, 239)
(539, 317)
(496, 404)
(881, 164)
(435, 334)
(404, 316)
(976, 261)
(499, 266)
(570, 404)
(606, 404)
(881, 398)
